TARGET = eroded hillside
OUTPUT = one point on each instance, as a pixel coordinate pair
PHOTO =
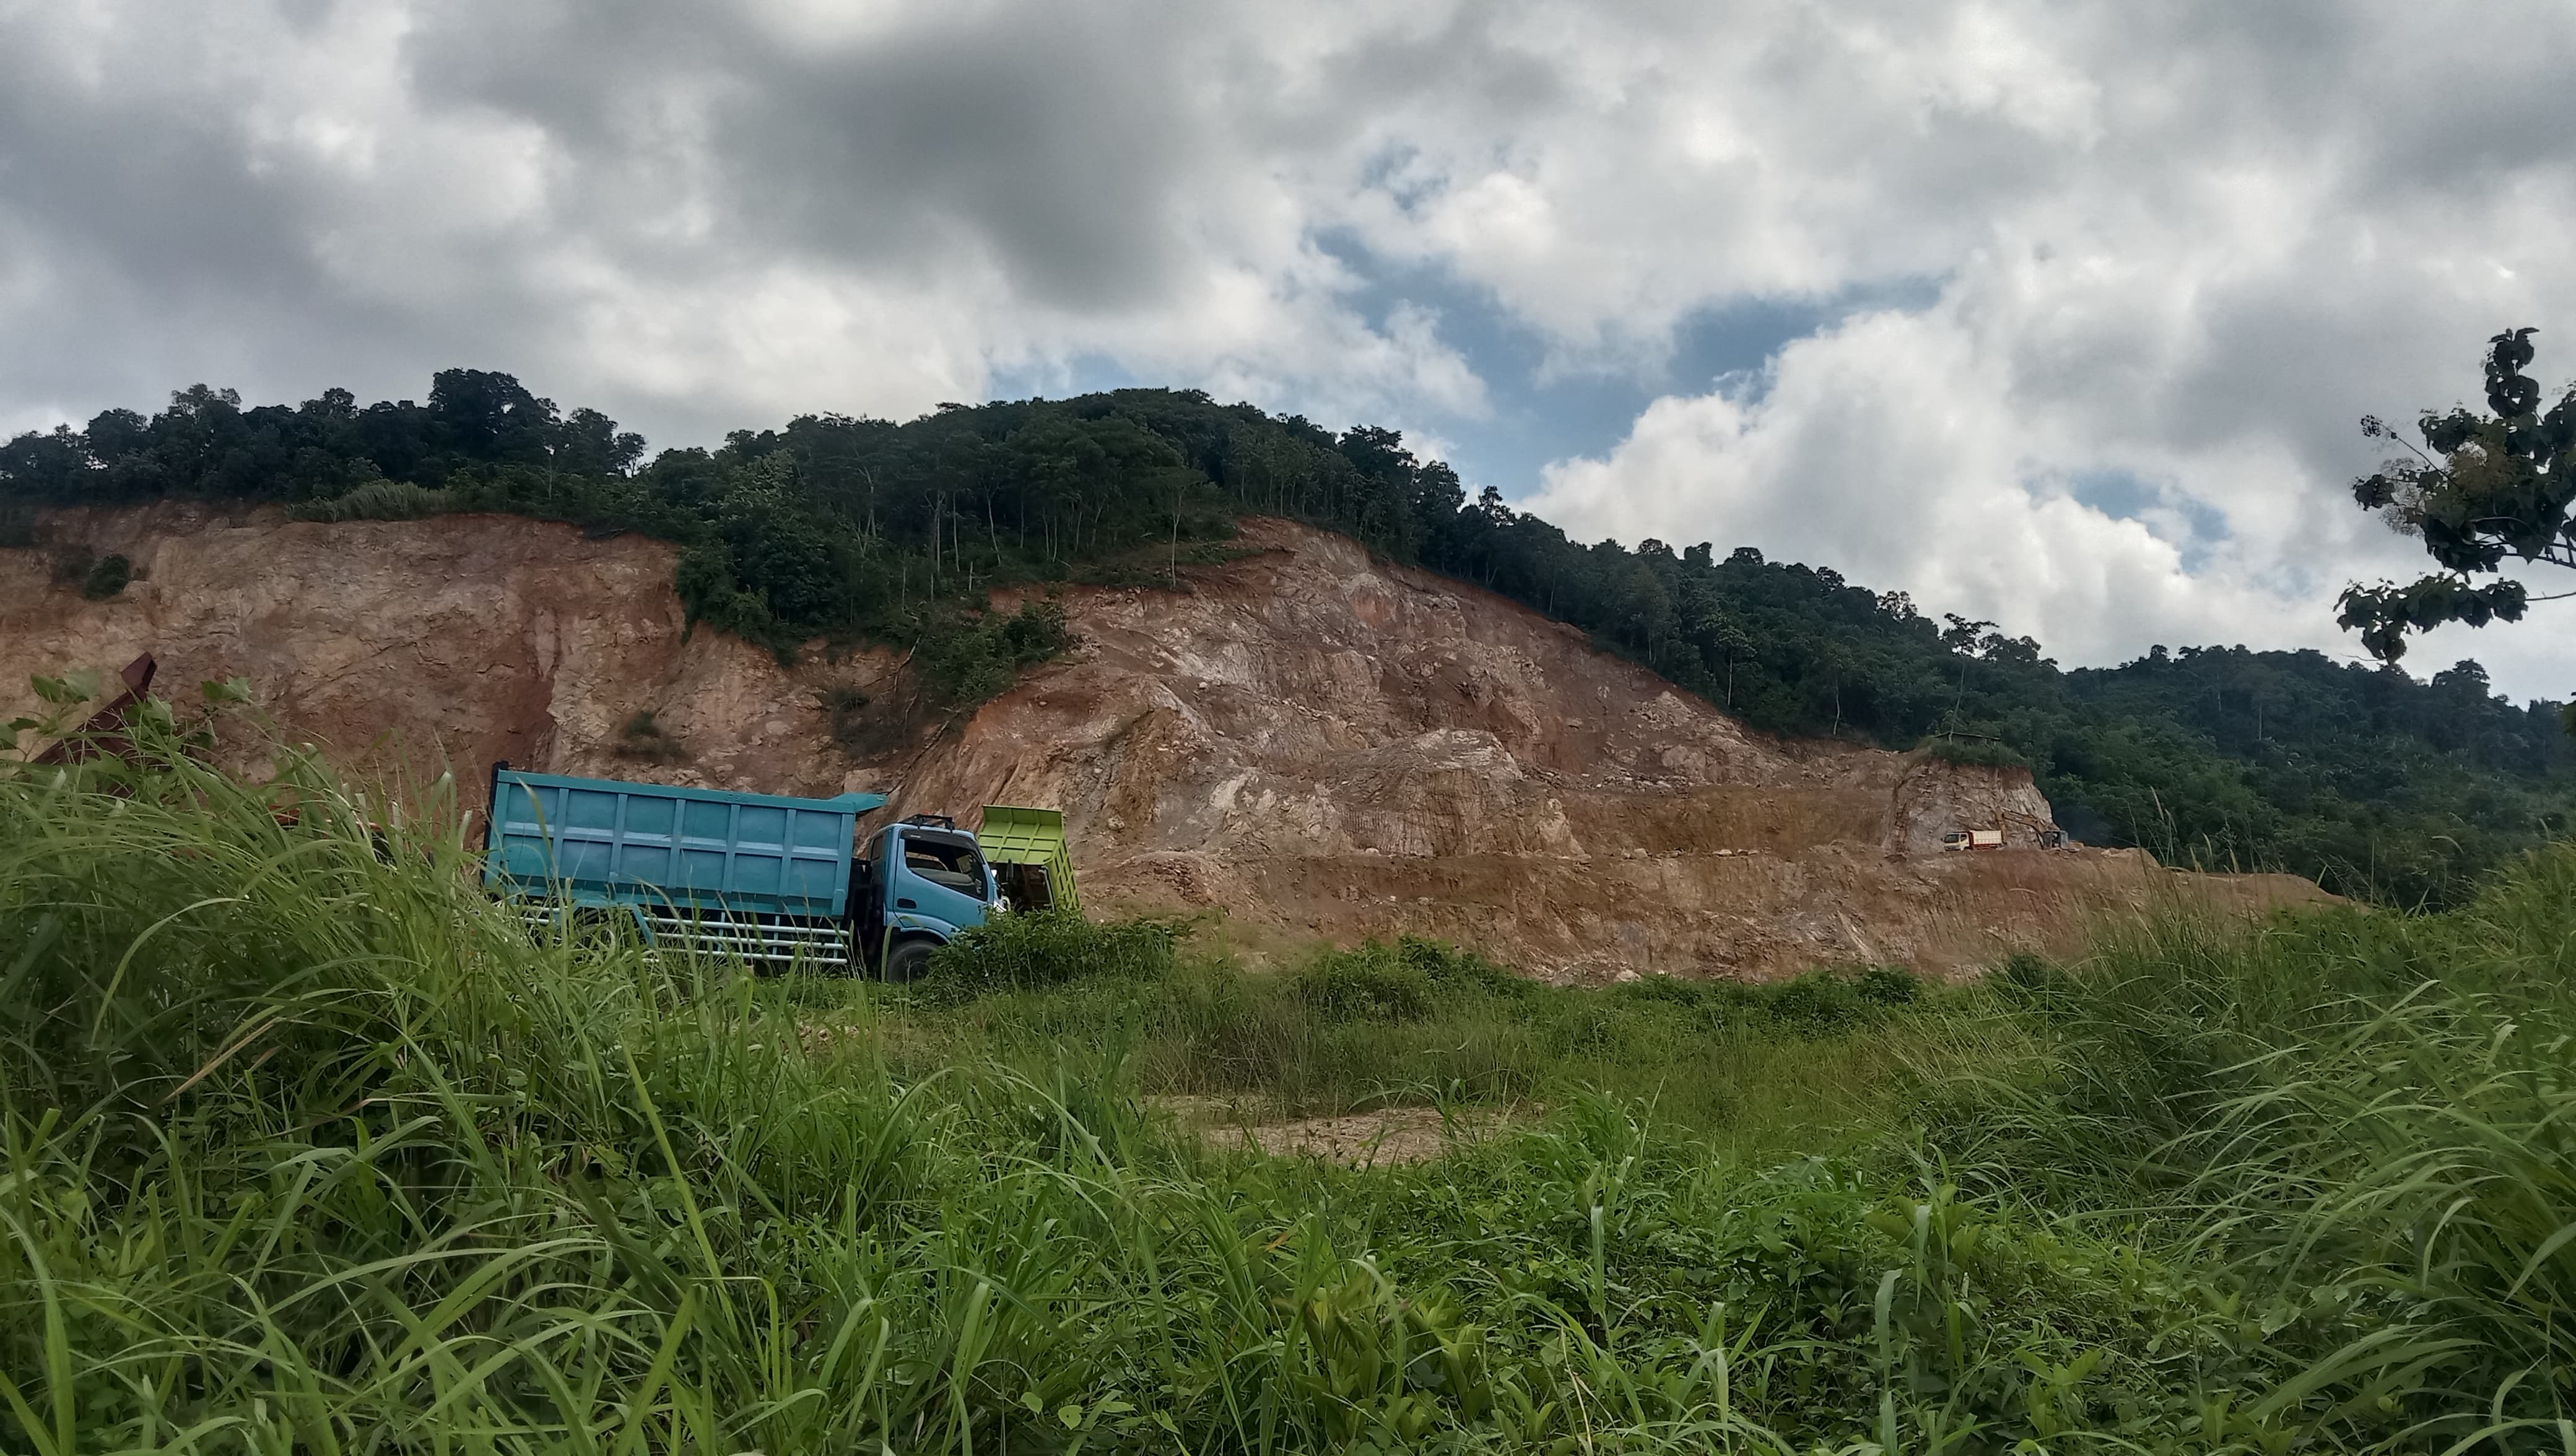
(1312, 742)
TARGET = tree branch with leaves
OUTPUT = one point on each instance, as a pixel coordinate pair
(2482, 487)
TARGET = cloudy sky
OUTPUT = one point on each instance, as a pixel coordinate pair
(2059, 315)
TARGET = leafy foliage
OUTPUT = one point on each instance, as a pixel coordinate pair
(843, 528)
(2492, 486)
(1033, 949)
(378, 500)
(1398, 982)
(645, 738)
(1972, 752)
(106, 577)
(965, 660)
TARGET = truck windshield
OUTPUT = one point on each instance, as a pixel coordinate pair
(942, 863)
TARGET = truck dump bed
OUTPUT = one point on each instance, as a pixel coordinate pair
(1033, 841)
(659, 847)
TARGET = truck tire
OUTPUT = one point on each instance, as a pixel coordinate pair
(906, 960)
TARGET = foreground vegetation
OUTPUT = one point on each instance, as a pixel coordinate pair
(305, 1146)
(1410, 1024)
(2376, 784)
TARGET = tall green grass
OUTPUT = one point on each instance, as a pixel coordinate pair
(1823, 1056)
(304, 1145)
(2368, 1121)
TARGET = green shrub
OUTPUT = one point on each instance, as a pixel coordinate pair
(1399, 982)
(106, 578)
(380, 500)
(1887, 986)
(967, 660)
(1368, 984)
(1038, 948)
(1815, 1004)
(646, 739)
(2033, 982)
(1973, 752)
(1600, 1028)
(1454, 969)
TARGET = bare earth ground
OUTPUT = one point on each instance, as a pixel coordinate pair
(1305, 743)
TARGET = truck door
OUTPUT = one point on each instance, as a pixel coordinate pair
(935, 880)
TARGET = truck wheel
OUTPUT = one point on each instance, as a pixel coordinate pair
(907, 959)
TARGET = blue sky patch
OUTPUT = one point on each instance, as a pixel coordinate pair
(1538, 414)
(2123, 495)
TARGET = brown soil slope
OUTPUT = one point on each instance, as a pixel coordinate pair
(1313, 742)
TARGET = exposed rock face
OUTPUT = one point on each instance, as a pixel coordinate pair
(463, 639)
(1316, 743)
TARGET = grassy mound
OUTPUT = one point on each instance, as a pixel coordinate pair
(305, 1145)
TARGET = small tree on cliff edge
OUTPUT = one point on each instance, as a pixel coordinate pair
(2493, 485)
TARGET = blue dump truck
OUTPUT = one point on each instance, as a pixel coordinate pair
(774, 881)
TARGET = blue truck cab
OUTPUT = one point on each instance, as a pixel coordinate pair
(917, 885)
(772, 880)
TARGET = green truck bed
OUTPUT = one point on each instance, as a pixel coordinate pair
(1034, 839)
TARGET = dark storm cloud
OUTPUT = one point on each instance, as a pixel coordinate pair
(130, 213)
(156, 243)
(1044, 145)
(1054, 139)
(145, 190)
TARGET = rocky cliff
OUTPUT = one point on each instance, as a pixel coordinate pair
(1309, 741)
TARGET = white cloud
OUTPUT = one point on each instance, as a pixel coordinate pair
(2179, 246)
(1893, 449)
(2184, 278)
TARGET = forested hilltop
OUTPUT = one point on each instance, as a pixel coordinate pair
(843, 528)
